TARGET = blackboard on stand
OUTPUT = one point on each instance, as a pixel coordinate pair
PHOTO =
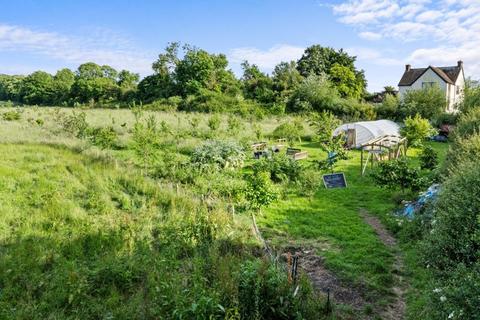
(334, 180)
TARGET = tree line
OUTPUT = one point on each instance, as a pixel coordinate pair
(188, 78)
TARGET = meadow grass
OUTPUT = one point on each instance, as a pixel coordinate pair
(330, 223)
(71, 212)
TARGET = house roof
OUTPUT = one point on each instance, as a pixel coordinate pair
(448, 74)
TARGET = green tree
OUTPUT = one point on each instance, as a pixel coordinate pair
(346, 82)
(63, 82)
(37, 88)
(286, 79)
(416, 130)
(428, 102)
(94, 82)
(10, 87)
(257, 85)
(260, 191)
(315, 93)
(471, 97)
(318, 60)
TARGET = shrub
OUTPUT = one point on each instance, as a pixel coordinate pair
(445, 119)
(279, 167)
(460, 151)
(308, 182)
(428, 158)
(105, 138)
(12, 115)
(214, 122)
(260, 191)
(76, 124)
(234, 125)
(416, 130)
(218, 154)
(194, 124)
(451, 248)
(427, 102)
(397, 174)
(292, 131)
(388, 109)
(468, 124)
(145, 141)
(471, 97)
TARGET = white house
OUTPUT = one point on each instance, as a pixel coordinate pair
(450, 79)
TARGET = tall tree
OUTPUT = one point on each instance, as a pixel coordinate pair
(62, 83)
(286, 78)
(257, 85)
(37, 88)
(318, 60)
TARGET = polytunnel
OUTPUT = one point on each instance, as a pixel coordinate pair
(358, 133)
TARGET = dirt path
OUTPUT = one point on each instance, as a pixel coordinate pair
(325, 281)
(396, 309)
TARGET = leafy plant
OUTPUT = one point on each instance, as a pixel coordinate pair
(105, 137)
(12, 115)
(397, 174)
(416, 130)
(214, 122)
(260, 191)
(279, 167)
(145, 141)
(452, 244)
(76, 124)
(218, 155)
(292, 131)
(428, 158)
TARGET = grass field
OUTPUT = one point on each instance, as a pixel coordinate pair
(80, 224)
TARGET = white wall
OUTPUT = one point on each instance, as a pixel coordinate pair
(431, 76)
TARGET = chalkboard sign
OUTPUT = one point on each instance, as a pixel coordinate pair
(334, 180)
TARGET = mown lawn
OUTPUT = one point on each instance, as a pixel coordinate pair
(331, 224)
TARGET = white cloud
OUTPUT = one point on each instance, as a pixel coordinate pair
(101, 46)
(373, 56)
(266, 59)
(368, 35)
(445, 30)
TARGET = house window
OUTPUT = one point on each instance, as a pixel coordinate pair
(426, 85)
(458, 90)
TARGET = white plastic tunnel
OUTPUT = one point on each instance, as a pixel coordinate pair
(358, 133)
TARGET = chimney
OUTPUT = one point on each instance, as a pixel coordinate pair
(408, 67)
(460, 64)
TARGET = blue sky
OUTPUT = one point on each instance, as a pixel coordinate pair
(383, 34)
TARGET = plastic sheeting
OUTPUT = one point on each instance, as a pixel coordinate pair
(368, 130)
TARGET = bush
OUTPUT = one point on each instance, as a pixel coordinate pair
(388, 109)
(76, 124)
(428, 158)
(279, 167)
(460, 151)
(451, 248)
(308, 182)
(105, 138)
(416, 130)
(445, 119)
(292, 131)
(260, 191)
(12, 115)
(214, 122)
(397, 174)
(218, 154)
(468, 124)
(471, 97)
(427, 102)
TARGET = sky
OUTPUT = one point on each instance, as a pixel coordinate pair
(383, 34)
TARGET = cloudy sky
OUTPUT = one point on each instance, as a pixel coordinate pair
(383, 34)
